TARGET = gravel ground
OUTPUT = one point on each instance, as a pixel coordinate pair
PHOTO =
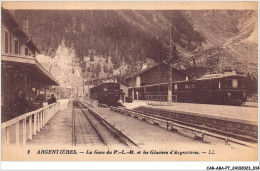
(149, 136)
(238, 112)
(146, 134)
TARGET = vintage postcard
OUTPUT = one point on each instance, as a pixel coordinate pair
(129, 81)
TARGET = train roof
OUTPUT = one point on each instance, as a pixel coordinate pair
(214, 76)
(108, 83)
(217, 76)
(204, 78)
(105, 84)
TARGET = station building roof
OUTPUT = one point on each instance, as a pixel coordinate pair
(27, 65)
(150, 68)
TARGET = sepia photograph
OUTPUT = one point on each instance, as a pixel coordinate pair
(129, 81)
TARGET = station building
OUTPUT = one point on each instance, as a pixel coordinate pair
(156, 74)
(25, 81)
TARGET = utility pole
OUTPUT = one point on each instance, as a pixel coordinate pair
(170, 67)
(83, 86)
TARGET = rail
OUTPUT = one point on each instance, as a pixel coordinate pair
(126, 139)
(160, 98)
(92, 124)
(36, 119)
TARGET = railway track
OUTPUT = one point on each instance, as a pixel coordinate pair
(198, 131)
(90, 129)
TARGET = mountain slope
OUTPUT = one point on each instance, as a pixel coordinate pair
(231, 41)
(203, 40)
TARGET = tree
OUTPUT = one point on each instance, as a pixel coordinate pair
(105, 69)
(98, 69)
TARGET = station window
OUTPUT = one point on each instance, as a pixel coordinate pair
(16, 47)
(234, 83)
(26, 51)
(6, 42)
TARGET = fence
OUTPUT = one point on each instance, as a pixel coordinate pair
(36, 119)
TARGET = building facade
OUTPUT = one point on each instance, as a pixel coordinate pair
(24, 80)
(156, 75)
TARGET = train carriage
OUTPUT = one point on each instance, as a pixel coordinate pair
(107, 93)
(215, 88)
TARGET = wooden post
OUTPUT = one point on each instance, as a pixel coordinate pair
(24, 131)
(43, 118)
(17, 133)
(47, 115)
(49, 111)
(34, 123)
(40, 119)
(7, 138)
(30, 127)
(38, 122)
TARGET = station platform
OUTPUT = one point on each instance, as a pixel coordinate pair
(58, 131)
(243, 113)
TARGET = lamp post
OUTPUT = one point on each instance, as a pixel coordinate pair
(170, 67)
(169, 63)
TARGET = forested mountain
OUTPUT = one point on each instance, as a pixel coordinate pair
(108, 42)
(231, 41)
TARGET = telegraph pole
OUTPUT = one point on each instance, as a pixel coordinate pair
(83, 86)
(170, 67)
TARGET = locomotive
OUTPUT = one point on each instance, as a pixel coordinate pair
(107, 93)
(215, 89)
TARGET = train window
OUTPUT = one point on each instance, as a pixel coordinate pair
(105, 88)
(192, 86)
(116, 88)
(175, 87)
(242, 83)
(219, 84)
(186, 86)
(234, 83)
